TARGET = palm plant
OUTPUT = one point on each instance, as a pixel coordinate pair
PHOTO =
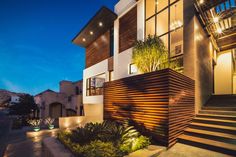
(151, 55)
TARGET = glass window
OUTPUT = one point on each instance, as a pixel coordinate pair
(133, 69)
(165, 40)
(150, 4)
(150, 27)
(176, 42)
(176, 15)
(161, 4)
(94, 85)
(162, 23)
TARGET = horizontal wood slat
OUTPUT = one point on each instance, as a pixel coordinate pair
(159, 104)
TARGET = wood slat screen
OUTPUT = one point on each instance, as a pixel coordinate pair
(159, 104)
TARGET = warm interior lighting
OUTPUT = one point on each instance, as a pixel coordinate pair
(176, 24)
(91, 32)
(100, 24)
(219, 30)
(201, 1)
(84, 39)
(216, 19)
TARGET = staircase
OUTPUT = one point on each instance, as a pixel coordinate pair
(214, 128)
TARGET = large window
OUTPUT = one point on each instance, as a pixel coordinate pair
(164, 18)
(94, 85)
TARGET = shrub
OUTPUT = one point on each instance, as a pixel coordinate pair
(103, 140)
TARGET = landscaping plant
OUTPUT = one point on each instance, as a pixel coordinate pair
(49, 122)
(151, 55)
(35, 123)
(105, 139)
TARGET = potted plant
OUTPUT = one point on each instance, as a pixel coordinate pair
(49, 122)
(35, 123)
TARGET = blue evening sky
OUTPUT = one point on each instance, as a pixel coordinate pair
(36, 51)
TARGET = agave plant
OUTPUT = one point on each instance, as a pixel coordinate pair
(49, 122)
(35, 123)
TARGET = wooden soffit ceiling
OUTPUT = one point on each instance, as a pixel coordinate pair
(101, 22)
(219, 19)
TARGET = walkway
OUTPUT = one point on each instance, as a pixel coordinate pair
(182, 150)
(25, 143)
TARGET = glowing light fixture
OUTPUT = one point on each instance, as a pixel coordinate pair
(219, 30)
(100, 24)
(84, 39)
(216, 19)
(201, 1)
(91, 32)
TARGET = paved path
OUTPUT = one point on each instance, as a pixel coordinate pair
(25, 143)
(5, 124)
(182, 150)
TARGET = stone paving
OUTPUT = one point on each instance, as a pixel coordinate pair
(26, 143)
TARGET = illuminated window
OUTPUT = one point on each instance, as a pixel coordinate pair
(167, 23)
(133, 69)
(94, 85)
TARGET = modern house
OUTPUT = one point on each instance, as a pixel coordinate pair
(66, 102)
(199, 34)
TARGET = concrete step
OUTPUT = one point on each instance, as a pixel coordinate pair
(213, 116)
(219, 108)
(217, 112)
(218, 136)
(213, 127)
(215, 121)
(221, 147)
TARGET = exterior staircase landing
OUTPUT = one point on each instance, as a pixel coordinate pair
(214, 128)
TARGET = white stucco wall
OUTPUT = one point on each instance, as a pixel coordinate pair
(93, 105)
(124, 59)
(224, 74)
(123, 5)
(234, 84)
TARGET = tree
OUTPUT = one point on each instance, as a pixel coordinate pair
(150, 55)
(25, 106)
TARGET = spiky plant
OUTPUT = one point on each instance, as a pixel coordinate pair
(151, 55)
(49, 121)
(35, 122)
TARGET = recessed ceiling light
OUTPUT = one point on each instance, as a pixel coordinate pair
(91, 32)
(84, 39)
(216, 19)
(100, 24)
(201, 1)
(219, 30)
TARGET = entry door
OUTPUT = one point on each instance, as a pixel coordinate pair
(223, 74)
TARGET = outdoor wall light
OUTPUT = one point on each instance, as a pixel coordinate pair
(100, 24)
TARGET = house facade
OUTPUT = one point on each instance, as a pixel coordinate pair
(191, 30)
(66, 102)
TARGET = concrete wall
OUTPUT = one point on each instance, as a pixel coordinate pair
(224, 73)
(73, 122)
(234, 83)
(197, 56)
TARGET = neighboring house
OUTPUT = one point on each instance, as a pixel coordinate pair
(14, 100)
(199, 34)
(66, 102)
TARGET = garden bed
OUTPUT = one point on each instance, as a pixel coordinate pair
(107, 139)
